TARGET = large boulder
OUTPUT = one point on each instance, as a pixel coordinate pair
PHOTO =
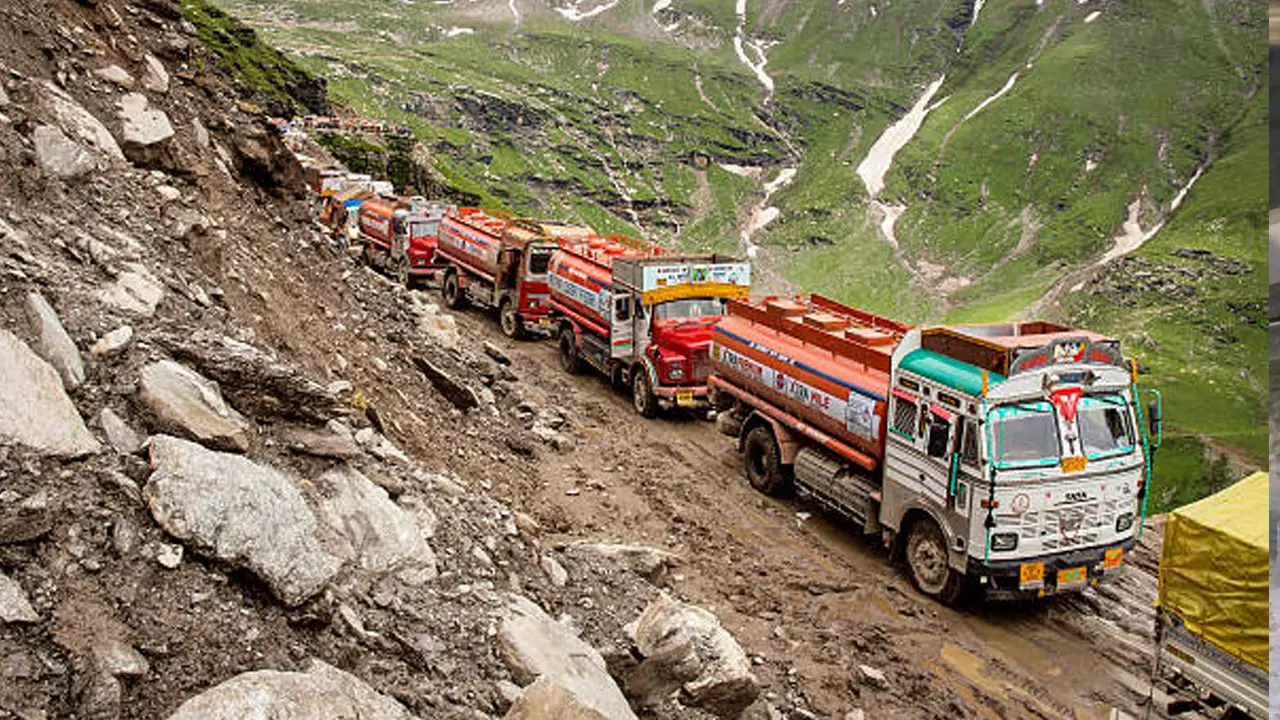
(233, 509)
(59, 155)
(34, 408)
(374, 533)
(141, 125)
(686, 650)
(185, 403)
(322, 691)
(573, 674)
(134, 291)
(81, 126)
(54, 344)
(14, 606)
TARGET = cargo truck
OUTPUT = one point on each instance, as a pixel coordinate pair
(642, 317)
(500, 262)
(1212, 608)
(1012, 459)
(400, 236)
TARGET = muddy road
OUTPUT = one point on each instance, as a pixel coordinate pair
(808, 598)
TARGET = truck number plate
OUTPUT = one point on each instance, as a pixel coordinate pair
(1113, 557)
(684, 398)
(1031, 575)
(1072, 577)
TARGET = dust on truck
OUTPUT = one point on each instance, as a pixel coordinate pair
(1007, 458)
(500, 262)
(642, 317)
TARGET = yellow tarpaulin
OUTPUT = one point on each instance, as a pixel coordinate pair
(1213, 568)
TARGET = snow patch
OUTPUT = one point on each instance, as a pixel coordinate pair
(764, 213)
(785, 176)
(514, 11)
(995, 96)
(456, 31)
(661, 5)
(1132, 237)
(1090, 166)
(977, 8)
(874, 13)
(876, 165)
(573, 14)
(741, 43)
(1092, 16)
(751, 173)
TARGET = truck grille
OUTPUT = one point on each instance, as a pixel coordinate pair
(1063, 528)
(701, 364)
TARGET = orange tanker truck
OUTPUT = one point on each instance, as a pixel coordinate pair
(401, 236)
(1011, 459)
(642, 317)
(500, 262)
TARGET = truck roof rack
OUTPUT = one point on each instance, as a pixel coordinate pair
(997, 346)
(602, 249)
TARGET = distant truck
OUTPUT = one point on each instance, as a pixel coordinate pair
(500, 262)
(642, 317)
(1012, 458)
(1212, 611)
(400, 236)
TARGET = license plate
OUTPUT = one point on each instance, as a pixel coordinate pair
(1072, 577)
(684, 398)
(544, 321)
(1113, 558)
(1031, 575)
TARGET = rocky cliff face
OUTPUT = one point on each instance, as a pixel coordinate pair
(205, 508)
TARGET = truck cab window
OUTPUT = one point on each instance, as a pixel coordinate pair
(1104, 425)
(622, 308)
(1024, 433)
(968, 441)
(904, 417)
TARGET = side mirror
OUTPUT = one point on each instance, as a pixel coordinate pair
(1154, 419)
(939, 433)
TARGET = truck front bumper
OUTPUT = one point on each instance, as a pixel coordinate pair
(1070, 571)
(694, 397)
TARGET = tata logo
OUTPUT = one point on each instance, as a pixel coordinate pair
(1076, 496)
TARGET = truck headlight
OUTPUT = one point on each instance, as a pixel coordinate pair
(1124, 521)
(676, 371)
(1004, 542)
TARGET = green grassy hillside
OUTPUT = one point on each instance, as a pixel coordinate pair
(642, 122)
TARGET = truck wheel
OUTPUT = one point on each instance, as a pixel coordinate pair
(927, 561)
(642, 397)
(366, 257)
(402, 273)
(763, 461)
(569, 359)
(510, 320)
(452, 292)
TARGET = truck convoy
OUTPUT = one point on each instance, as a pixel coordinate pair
(642, 317)
(1009, 458)
(500, 262)
(401, 236)
(1212, 608)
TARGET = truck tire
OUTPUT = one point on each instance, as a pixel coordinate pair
(403, 278)
(642, 397)
(569, 359)
(926, 555)
(509, 319)
(454, 298)
(762, 461)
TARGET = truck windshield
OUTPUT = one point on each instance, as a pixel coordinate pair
(424, 229)
(1024, 433)
(1103, 421)
(689, 308)
(539, 259)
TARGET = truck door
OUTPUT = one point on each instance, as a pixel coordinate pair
(622, 328)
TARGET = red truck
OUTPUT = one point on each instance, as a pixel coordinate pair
(642, 317)
(500, 262)
(400, 236)
(1006, 458)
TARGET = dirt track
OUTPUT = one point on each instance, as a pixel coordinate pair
(801, 591)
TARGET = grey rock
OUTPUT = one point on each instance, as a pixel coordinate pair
(238, 511)
(112, 342)
(115, 74)
(118, 658)
(496, 353)
(53, 342)
(322, 691)
(141, 125)
(101, 698)
(125, 537)
(4, 96)
(551, 697)
(454, 391)
(120, 436)
(154, 77)
(856, 714)
(201, 133)
(14, 606)
(80, 125)
(373, 532)
(335, 441)
(59, 155)
(555, 571)
(133, 291)
(642, 560)
(574, 675)
(872, 676)
(169, 556)
(185, 403)
(34, 408)
(379, 446)
(686, 650)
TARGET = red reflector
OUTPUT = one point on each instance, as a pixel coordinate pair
(991, 504)
(1065, 400)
